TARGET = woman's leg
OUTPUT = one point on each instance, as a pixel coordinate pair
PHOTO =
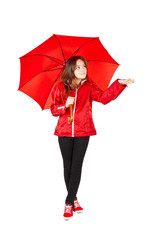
(66, 147)
(79, 149)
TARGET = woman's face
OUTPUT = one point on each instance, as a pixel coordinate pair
(80, 71)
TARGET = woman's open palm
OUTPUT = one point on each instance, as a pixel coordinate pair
(126, 81)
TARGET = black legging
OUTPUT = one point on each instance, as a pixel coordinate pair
(73, 150)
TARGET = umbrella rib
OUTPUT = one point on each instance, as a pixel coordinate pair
(83, 45)
(51, 58)
(38, 74)
(102, 61)
(52, 69)
(60, 47)
(52, 87)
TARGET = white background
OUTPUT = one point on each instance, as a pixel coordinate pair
(119, 188)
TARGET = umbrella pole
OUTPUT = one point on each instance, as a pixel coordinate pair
(70, 119)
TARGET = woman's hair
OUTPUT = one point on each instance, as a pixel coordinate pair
(68, 73)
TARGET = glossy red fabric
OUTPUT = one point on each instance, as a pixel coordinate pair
(41, 68)
(87, 92)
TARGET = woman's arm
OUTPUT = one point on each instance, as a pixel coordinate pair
(57, 108)
(109, 94)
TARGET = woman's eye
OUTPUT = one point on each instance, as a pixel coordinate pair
(79, 67)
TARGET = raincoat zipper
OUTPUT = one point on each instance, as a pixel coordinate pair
(73, 113)
(74, 108)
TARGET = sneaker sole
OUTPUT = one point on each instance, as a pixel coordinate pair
(65, 218)
(80, 211)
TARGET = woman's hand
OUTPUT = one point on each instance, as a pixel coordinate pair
(126, 81)
(70, 100)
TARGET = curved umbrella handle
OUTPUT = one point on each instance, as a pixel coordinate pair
(70, 119)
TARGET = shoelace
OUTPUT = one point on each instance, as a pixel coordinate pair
(68, 209)
(76, 204)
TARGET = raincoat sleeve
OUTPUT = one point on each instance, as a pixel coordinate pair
(109, 94)
(57, 107)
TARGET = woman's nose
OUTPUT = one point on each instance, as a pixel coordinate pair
(82, 69)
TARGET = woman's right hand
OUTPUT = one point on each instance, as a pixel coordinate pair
(70, 100)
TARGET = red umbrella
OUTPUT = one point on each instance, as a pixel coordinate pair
(41, 68)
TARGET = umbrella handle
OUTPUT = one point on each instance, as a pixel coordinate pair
(70, 119)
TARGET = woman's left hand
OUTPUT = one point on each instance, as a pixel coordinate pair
(126, 81)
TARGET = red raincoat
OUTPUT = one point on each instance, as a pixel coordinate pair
(87, 92)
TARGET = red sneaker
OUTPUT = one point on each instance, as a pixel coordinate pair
(77, 208)
(68, 211)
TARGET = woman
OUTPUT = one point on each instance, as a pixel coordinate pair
(73, 137)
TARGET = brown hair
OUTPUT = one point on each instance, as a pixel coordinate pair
(68, 73)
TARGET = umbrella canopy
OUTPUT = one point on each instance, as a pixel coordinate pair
(41, 68)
